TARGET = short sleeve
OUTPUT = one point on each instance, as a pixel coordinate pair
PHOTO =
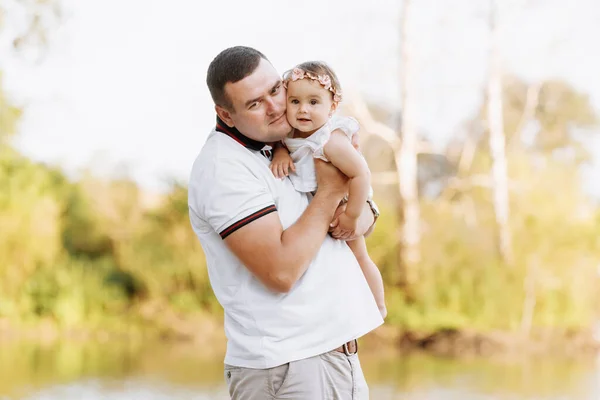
(229, 196)
(348, 125)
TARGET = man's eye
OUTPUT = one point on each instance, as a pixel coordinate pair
(253, 105)
(276, 89)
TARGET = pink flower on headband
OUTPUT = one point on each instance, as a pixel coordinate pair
(297, 74)
(325, 80)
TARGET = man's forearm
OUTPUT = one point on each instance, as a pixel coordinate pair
(302, 240)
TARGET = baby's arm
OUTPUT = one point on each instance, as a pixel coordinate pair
(282, 163)
(341, 153)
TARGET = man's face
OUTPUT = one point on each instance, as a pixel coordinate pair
(259, 102)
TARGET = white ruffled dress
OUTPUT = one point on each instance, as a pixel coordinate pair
(304, 150)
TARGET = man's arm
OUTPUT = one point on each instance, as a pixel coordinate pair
(364, 227)
(277, 257)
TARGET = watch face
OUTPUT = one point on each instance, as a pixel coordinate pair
(374, 208)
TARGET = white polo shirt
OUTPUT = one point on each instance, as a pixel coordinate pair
(230, 186)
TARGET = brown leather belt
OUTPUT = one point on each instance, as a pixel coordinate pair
(348, 348)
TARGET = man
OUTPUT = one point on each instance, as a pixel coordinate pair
(294, 298)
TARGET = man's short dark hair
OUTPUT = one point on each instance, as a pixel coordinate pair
(231, 65)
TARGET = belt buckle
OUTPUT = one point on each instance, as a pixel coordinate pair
(347, 351)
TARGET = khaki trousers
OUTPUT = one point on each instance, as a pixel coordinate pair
(329, 376)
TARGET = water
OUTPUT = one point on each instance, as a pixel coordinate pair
(162, 371)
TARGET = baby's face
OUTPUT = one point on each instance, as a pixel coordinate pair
(309, 105)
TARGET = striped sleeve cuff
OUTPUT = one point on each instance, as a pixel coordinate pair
(245, 221)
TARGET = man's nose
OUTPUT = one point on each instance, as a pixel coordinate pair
(273, 108)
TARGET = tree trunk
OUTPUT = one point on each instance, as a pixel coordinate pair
(498, 145)
(406, 159)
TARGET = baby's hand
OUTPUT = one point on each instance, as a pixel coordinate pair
(282, 163)
(346, 227)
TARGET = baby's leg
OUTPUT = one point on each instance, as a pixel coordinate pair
(370, 270)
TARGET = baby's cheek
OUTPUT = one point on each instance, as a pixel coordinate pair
(290, 116)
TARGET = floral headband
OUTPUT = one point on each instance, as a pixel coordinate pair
(324, 79)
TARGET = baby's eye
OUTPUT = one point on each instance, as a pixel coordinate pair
(313, 102)
(294, 101)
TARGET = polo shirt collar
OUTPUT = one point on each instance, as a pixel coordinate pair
(239, 136)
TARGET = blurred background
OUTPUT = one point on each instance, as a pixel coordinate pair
(487, 113)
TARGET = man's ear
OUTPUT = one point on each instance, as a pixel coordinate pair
(225, 115)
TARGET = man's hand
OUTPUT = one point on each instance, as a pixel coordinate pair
(346, 227)
(364, 223)
(330, 180)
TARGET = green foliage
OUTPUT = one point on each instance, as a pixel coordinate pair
(462, 285)
(30, 209)
(558, 110)
(9, 116)
(97, 254)
(87, 252)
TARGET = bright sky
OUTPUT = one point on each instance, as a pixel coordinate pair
(124, 83)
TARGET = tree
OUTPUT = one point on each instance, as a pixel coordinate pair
(543, 116)
(497, 142)
(40, 16)
(406, 158)
(32, 32)
(405, 148)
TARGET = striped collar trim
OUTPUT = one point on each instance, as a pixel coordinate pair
(239, 136)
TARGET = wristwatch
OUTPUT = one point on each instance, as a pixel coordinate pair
(374, 209)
